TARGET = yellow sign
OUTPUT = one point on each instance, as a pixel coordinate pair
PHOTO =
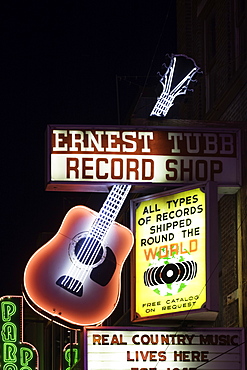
(170, 254)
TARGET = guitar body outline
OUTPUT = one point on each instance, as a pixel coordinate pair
(50, 263)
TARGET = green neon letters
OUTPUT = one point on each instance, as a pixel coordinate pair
(68, 362)
(8, 309)
(14, 354)
(9, 332)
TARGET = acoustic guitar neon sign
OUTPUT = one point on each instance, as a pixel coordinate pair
(74, 279)
(15, 354)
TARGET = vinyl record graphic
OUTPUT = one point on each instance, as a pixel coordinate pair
(170, 275)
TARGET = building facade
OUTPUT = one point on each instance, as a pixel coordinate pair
(214, 34)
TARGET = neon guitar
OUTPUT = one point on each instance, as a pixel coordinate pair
(74, 279)
(171, 89)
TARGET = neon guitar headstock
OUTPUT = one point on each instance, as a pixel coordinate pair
(175, 82)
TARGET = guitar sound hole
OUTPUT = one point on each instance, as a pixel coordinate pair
(88, 251)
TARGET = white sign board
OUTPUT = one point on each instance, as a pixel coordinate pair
(164, 349)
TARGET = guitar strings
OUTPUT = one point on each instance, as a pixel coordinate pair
(99, 224)
(108, 218)
(85, 245)
(93, 238)
(98, 232)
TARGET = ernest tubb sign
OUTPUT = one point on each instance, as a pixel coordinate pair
(80, 155)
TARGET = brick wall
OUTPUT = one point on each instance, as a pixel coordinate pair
(228, 259)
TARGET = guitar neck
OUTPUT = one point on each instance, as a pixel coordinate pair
(109, 211)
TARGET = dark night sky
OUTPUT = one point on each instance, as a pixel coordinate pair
(59, 64)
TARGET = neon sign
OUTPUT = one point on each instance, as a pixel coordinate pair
(171, 248)
(71, 355)
(14, 353)
(74, 279)
(82, 158)
(174, 85)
